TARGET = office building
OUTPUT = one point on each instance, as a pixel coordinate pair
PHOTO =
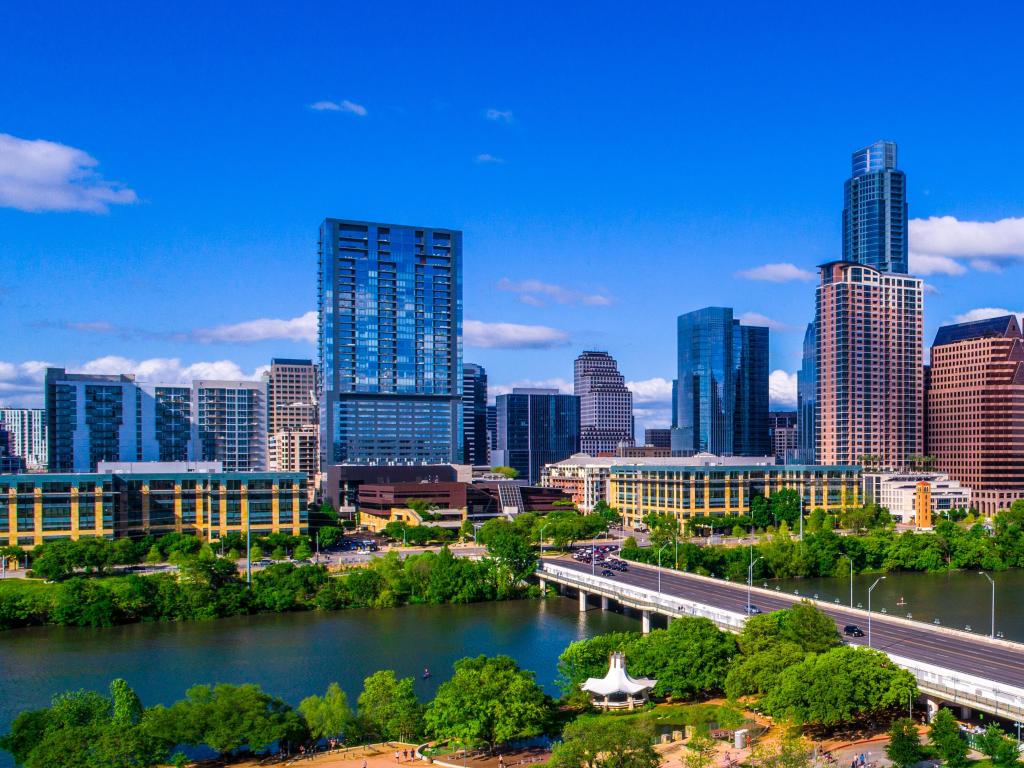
(869, 367)
(475, 443)
(658, 437)
(27, 430)
(721, 392)
(229, 424)
(705, 485)
(606, 404)
(390, 343)
(976, 409)
(915, 498)
(157, 499)
(875, 210)
(782, 432)
(536, 427)
(807, 399)
(94, 418)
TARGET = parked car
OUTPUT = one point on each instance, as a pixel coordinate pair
(852, 630)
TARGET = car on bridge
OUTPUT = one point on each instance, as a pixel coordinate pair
(753, 610)
(607, 573)
(852, 630)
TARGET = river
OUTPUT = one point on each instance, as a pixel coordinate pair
(291, 655)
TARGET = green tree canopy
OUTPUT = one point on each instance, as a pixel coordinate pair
(692, 656)
(904, 747)
(328, 715)
(510, 472)
(944, 734)
(389, 709)
(603, 742)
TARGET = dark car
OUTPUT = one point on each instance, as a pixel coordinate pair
(606, 572)
(753, 610)
(852, 630)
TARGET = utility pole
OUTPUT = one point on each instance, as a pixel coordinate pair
(880, 578)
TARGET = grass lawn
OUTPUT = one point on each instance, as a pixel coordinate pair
(25, 586)
(702, 716)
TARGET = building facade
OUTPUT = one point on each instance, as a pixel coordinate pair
(915, 498)
(783, 432)
(717, 486)
(582, 477)
(870, 376)
(27, 430)
(658, 437)
(721, 392)
(390, 343)
(291, 394)
(536, 427)
(36, 508)
(807, 399)
(875, 210)
(606, 404)
(492, 430)
(475, 443)
(94, 418)
(976, 409)
(229, 424)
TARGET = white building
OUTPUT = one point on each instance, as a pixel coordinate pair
(27, 428)
(229, 423)
(898, 492)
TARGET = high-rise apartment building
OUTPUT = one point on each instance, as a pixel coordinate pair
(976, 409)
(807, 399)
(721, 392)
(606, 404)
(229, 424)
(783, 434)
(869, 366)
(390, 343)
(875, 210)
(27, 430)
(94, 418)
(291, 394)
(536, 427)
(475, 446)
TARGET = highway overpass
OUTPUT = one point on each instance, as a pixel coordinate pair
(952, 667)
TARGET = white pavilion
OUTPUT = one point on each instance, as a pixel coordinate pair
(617, 690)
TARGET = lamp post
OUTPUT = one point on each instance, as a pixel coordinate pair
(540, 536)
(851, 581)
(659, 564)
(750, 577)
(992, 632)
(880, 578)
(1018, 724)
(248, 550)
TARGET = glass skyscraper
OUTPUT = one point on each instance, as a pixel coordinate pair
(536, 427)
(875, 210)
(721, 392)
(390, 343)
(474, 415)
(807, 399)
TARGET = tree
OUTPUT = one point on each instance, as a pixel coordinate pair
(606, 512)
(488, 701)
(154, 556)
(602, 742)
(997, 746)
(256, 552)
(302, 551)
(944, 734)
(839, 687)
(664, 528)
(589, 658)
(510, 472)
(690, 657)
(904, 747)
(785, 505)
(330, 536)
(328, 715)
(388, 707)
(789, 752)
(700, 752)
(126, 706)
(760, 512)
(512, 553)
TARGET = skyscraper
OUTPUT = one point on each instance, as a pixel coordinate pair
(976, 409)
(869, 366)
(94, 418)
(807, 399)
(293, 424)
(875, 210)
(606, 404)
(390, 343)
(492, 428)
(721, 364)
(27, 429)
(536, 427)
(229, 421)
(476, 450)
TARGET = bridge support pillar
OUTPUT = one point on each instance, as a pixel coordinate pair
(604, 603)
(645, 621)
(543, 586)
(931, 706)
(965, 713)
(583, 601)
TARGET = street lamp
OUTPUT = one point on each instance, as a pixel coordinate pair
(880, 578)
(659, 563)
(1018, 724)
(540, 536)
(992, 581)
(851, 580)
(750, 577)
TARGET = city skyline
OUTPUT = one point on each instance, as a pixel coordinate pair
(543, 258)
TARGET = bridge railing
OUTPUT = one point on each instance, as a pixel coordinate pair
(968, 690)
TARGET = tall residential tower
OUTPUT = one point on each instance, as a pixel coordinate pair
(476, 450)
(875, 210)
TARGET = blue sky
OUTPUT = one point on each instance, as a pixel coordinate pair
(164, 169)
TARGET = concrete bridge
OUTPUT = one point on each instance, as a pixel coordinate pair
(952, 667)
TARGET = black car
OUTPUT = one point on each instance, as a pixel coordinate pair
(606, 572)
(852, 630)
(753, 610)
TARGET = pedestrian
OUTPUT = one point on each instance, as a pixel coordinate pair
(405, 754)
(398, 756)
(364, 762)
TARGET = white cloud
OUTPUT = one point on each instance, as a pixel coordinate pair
(502, 115)
(511, 335)
(756, 318)
(939, 241)
(562, 385)
(782, 389)
(21, 384)
(656, 390)
(339, 106)
(776, 273)
(167, 370)
(38, 175)
(651, 418)
(984, 313)
(301, 328)
(535, 292)
(487, 157)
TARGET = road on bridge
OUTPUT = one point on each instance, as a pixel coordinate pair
(973, 656)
